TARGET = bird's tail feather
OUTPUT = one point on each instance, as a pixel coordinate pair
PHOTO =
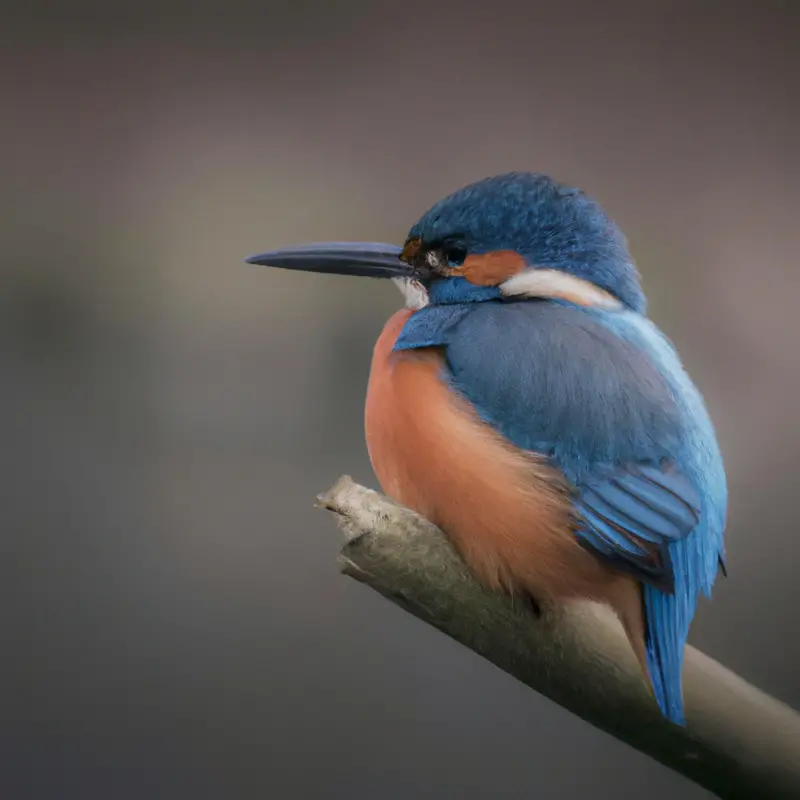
(667, 627)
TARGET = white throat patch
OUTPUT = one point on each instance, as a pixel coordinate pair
(551, 283)
(414, 293)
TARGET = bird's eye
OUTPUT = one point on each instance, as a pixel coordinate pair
(454, 253)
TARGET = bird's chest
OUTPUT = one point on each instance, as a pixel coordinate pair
(407, 423)
(505, 509)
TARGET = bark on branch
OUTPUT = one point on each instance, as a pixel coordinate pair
(738, 743)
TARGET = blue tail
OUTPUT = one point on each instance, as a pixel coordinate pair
(667, 629)
(668, 617)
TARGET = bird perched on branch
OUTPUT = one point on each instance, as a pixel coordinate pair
(523, 402)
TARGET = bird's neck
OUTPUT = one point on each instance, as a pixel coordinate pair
(447, 291)
(539, 284)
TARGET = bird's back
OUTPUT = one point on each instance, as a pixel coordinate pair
(590, 389)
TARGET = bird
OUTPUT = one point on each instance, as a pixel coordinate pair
(523, 401)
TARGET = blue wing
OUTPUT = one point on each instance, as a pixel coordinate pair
(615, 412)
(636, 520)
(632, 516)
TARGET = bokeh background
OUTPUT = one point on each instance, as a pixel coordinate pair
(174, 625)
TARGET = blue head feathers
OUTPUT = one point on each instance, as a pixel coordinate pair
(550, 225)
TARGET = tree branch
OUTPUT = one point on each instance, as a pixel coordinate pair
(738, 743)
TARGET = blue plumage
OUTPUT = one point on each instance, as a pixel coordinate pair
(602, 394)
(569, 368)
(636, 513)
(552, 225)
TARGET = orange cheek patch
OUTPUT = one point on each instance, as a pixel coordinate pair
(491, 269)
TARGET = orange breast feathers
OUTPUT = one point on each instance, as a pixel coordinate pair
(507, 512)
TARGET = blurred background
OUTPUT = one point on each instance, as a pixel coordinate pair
(174, 624)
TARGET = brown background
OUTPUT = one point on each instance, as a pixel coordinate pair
(174, 625)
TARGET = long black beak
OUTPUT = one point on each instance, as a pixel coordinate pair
(371, 259)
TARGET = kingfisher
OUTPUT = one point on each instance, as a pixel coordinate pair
(523, 401)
